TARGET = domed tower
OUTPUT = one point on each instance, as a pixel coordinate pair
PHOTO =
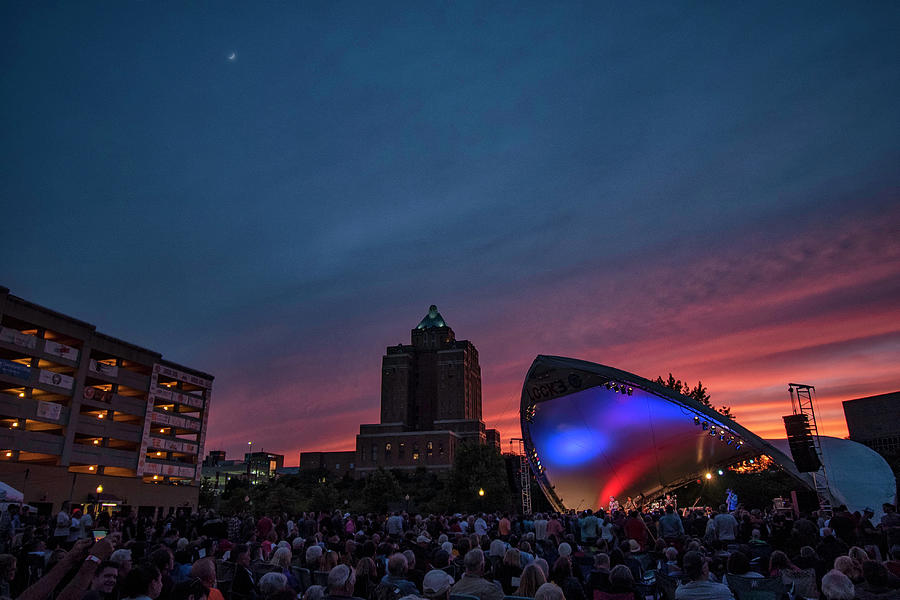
(430, 401)
(435, 382)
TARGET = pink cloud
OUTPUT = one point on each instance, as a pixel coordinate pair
(761, 310)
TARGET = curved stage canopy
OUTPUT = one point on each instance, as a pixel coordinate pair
(593, 431)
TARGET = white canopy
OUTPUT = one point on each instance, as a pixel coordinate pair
(10, 494)
(857, 475)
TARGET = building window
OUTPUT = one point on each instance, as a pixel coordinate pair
(337, 466)
(415, 456)
(401, 452)
(352, 466)
(441, 449)
(387, 451)
(374, 453)
(429, 448)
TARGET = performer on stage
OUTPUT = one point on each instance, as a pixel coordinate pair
(731, 500)
(629, 504)
(613, 504)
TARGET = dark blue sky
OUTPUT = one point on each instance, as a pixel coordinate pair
(597, 181)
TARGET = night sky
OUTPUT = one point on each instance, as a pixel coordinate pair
(710, 189)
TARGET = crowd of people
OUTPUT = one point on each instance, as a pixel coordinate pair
(694, 554)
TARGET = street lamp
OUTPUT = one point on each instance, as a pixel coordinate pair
(249, 452)
(407, 502)
(481, 492)
(100, 489)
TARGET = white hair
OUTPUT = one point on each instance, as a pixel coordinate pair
(313, 553)
(837, 586)
(340, 577)
(549, 591)
(282, 558)
(272, 582)
(497, 548)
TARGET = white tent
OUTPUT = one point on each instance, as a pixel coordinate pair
(10, 494)
(857, 475)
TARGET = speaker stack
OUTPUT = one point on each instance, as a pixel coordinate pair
(800, 440)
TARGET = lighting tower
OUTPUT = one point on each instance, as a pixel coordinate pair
(517, 446)
(803, 405)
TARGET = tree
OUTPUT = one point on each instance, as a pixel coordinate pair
(478, 467)
(324, 497)
(698, 393)
(381, 490)
(280, 498)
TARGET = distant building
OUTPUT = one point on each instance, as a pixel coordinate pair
(430, 403)
(214, 458)
(263, 465)
(258, 467)
(333, 462)
(492, 438)
(873, 421)
(218, 470)
(80, 409)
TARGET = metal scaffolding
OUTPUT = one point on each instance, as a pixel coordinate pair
(803, 398)
(517, 447)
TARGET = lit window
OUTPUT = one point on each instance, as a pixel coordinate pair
(337, 466)
(415, 456)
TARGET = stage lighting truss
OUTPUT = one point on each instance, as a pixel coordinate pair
(724, 434)
(535, 460)
(619, 388)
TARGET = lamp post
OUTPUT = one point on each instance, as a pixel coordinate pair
(407, 502)
(249, 453)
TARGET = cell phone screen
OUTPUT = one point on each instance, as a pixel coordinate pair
(99, 534)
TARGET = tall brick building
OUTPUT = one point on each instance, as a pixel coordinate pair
(430, 403)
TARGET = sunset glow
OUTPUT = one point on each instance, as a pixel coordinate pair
(274, 193)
